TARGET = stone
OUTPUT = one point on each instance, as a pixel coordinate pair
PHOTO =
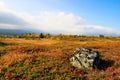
(85, 58)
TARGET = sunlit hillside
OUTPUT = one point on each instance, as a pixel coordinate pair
(46, 57)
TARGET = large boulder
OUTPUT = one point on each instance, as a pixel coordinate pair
(85, 58)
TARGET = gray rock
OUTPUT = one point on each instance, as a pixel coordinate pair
(85, 58)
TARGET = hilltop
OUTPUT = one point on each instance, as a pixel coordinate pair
(44, 56)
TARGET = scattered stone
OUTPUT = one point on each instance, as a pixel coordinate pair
(85, 58)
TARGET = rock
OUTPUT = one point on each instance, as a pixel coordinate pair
(85, 58)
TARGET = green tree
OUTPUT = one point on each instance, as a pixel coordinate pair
(41, 35)
(101, 35)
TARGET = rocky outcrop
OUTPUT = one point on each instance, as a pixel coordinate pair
(85, 58)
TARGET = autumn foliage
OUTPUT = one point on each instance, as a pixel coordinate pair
(46, 57)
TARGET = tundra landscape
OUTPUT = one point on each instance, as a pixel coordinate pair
(46, 57)
(59, 39)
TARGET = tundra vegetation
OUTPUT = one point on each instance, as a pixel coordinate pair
(46, 57)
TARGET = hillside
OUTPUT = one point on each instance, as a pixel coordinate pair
(48, 58)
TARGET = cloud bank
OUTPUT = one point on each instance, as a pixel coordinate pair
(52, 22)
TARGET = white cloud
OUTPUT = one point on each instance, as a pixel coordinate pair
(68, 23)
(8, 26)
(53, 22)
(10, 19)
(1, 5)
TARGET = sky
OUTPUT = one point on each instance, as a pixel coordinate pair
(86, 17)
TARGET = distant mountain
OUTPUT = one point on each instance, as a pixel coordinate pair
(18, 31)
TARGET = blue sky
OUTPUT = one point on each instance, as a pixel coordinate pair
(62, 16)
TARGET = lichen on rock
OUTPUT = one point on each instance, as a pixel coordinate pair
(85, 58)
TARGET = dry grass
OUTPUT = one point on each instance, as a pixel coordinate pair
(48, 59)
(29, 42)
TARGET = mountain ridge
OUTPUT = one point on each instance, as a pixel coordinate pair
(18, 31)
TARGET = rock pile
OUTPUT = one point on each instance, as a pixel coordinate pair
(85, 58)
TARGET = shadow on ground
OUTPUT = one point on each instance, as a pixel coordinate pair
(3, 44)
(104, 64)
